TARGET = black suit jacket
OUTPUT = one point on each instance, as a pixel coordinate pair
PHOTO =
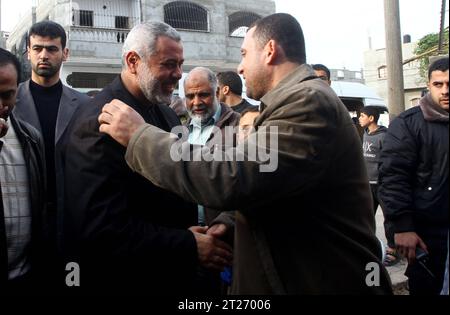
(128, 235)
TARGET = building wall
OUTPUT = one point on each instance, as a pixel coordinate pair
(377, 78)
(98, 49)
(347, 75)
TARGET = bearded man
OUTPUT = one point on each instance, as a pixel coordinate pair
(127, 235)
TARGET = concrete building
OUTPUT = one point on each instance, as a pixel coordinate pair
(3, 38)
(211, 30)
(345, 75)
(375, 73)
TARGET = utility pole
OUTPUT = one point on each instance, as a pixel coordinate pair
(2, 40)
(441, 33)
(394, 58)
(33, 12)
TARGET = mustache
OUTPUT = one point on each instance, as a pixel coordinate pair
(44, 64)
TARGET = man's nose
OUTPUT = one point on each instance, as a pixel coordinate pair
(43, 54)
(240, 69)
(197, 100)
(178, 73)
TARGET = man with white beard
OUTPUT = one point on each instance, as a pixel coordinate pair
(210, 123)
(127, 235)
(201, 94)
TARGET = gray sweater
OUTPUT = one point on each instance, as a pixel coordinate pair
(372, 145)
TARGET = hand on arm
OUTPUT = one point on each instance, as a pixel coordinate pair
(119, 121)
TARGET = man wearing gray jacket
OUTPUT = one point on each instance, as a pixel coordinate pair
(305, 224)
(48, 105)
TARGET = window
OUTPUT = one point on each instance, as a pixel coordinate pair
(186, 15)
(239, 22)
(122, 22)
(84, 18)
(382, 72)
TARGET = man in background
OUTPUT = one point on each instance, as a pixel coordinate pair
(413, 183)
(372, 145)
(322, 72)
(230, 91)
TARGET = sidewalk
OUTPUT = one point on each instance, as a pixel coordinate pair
(397, 272)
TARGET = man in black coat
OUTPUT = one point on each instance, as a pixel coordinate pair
(413, 182)
(126, 234)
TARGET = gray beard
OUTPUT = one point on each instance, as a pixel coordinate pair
(150, 86)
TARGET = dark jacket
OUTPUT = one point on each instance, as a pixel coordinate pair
(228, 118)
(372, 145)
(128, 235)
(306, 226)
(25, 109)
(243, 105)
(33, 152)
(413, 180)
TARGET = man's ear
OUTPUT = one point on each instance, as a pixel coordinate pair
(226, 90)
(132, 60)
(65, 54)
(271, 51)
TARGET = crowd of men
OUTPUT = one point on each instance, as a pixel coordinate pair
(92, 182)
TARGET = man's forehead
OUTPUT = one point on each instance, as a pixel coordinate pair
(439, 75)
(198, 85)
(8, 72)
(248, 38)
(166, 44)
(45, 40)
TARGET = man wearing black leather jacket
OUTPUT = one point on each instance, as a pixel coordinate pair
(23, 225)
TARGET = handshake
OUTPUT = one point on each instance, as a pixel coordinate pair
(213, 253)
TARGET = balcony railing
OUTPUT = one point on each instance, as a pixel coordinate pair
(116, 14)
(97, 35)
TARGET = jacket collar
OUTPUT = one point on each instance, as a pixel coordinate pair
(431, 111)
(26, 108)
(301, 73)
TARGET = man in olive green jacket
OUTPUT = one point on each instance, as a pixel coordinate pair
(305, 224)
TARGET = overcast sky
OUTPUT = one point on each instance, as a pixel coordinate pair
(336, 31)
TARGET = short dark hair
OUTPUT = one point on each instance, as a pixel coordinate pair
(7, 58)
(438, 65)
(232, 80)
(372, 111)
(322, 67)
(48, 29)
(284, 29)
(250, 109)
